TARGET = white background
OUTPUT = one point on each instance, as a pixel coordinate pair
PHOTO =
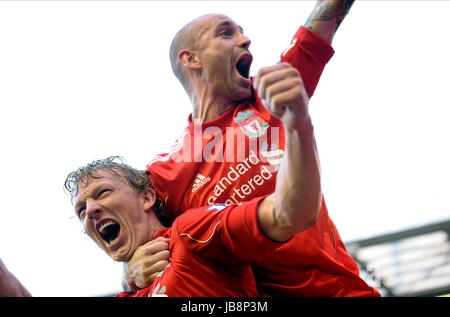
(85, 80)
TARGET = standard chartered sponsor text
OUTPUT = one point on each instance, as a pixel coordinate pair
(234, 173)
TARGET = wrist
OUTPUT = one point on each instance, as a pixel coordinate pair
(303, 127)
(127, 285)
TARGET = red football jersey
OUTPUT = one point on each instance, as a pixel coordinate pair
(235, 158)
(211, 248)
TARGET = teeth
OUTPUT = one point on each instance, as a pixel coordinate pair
(114, 241)
(106, 224)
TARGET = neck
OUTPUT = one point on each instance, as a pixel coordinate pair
(155, 225)
(207, 105)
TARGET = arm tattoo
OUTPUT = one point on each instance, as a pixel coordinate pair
(328, 10)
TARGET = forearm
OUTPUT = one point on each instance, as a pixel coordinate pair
(10, 286)
(297, 196)
(295, 204)
(327, 16)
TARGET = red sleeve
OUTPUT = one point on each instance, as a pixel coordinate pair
(242, 235)
(309, 54)
(224, 234)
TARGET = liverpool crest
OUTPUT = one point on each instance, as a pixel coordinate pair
(251, 124)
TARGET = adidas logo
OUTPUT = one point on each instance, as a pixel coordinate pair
(200, 180)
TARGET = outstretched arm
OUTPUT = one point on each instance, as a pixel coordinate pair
(327, 16)
(310, 48)
(296, 202)
(10, 286)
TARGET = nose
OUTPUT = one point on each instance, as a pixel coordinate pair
(92, 209)
(244, 41)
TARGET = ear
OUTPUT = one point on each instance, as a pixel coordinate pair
(148, 198)
(189, 59)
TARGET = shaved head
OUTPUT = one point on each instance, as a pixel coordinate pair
(188, 38)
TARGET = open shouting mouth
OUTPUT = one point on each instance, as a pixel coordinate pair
(243, 65)
(109, 231)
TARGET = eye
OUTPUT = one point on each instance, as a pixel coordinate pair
(226, 32)
(81, 212)
(103, 192)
